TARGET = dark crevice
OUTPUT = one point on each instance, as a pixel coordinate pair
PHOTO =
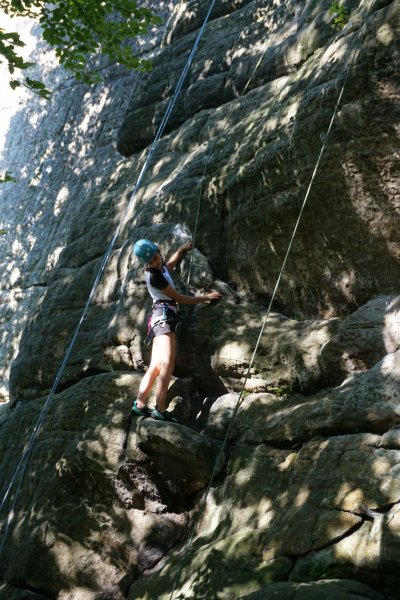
(341, 537)
(331, 542)
(369, 514)
(296, 445)
(358, 594)
(386, 447)
(347, 432)
(90, 259)
(28, 592)
(91, 372)
(284, 445)
(363, 512)
(33, 285)
(127, 433)
(294, 563)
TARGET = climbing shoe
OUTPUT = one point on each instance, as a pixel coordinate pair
(163, 415)
(144, 411)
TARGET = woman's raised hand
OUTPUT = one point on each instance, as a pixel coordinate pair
(186, 247)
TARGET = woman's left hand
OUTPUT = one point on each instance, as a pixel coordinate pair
(213, 296)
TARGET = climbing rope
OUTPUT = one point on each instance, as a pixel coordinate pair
(233, 107)
(347, 67)
(23, 462)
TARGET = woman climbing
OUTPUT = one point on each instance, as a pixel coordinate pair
(163, 323)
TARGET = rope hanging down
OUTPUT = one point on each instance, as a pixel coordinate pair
(22, 465)
(233, 107)
(235, 104)
(347, 68)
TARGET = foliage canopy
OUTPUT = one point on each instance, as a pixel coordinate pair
(77, 30)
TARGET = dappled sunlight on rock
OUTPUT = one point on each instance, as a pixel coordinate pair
(391, 365)
(62, 196)
(385, 34)
(301, 497)
(381, 466)
(391, 330)
(53, 257)
(14, 275)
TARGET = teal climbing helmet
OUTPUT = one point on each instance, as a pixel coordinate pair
(144, 250)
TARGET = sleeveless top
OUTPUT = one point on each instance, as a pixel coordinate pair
(156, 281)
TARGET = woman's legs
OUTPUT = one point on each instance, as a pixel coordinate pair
(167, 346)
(161, 365)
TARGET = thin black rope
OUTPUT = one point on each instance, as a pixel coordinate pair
(233, 107)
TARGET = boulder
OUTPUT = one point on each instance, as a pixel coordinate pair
(96, 517)
(185, 457)
(321, 511)
(362, 339)
(229, 567)
(288, 350)
(367, 401)
(356, 556)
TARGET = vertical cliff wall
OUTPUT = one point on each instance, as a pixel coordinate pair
(63, 154)
(260, 149)
(307, 487)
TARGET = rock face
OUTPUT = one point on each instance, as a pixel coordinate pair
(264, 144)
(303, 447)
(63, 155)
(102, 493)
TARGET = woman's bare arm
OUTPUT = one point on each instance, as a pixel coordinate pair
(178, 255)
(182, 299)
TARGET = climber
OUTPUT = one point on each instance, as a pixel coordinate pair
(163, 323)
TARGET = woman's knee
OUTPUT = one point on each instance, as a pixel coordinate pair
(163, 353)
(155, 367)
(167, 365)
(162, 364)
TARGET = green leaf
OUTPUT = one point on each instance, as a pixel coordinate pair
(36, 85)
(341, 15)
(7, 177)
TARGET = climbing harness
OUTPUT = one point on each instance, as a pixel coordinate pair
(162, 313)
(22, 464)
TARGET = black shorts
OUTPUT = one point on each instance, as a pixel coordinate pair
(164, 318)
